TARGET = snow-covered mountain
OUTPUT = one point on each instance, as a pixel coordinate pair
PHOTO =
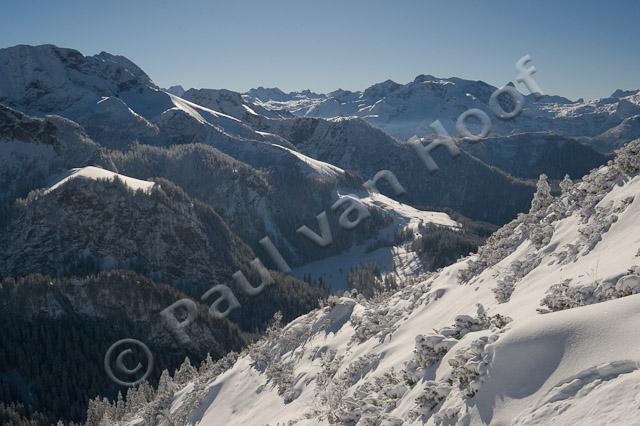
(106, 221)
(464, 184)
(276, 99)
(533, 329)
(177, 90)
(110, 95)
(231, 103)
(405, 110)
(118, 105)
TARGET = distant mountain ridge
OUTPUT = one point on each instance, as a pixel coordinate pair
(119, 106)
(405, 110)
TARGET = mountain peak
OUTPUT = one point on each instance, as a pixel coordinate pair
(177, 90)
(382, 89)
(425, 77)
(619, 93)
(46, 78)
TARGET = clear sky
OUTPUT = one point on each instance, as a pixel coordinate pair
(580, 48)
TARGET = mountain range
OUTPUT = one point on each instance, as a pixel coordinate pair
(108, 181)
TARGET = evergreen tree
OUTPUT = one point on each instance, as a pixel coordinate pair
(542, 198)
(566, 185)
(185, 373)
(119, 408)
(206, 366)
(165, 385)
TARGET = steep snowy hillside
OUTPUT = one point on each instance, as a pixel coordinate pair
(464, 184)
(533, 329)
(109, 95)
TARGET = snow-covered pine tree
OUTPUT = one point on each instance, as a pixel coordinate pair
(628, 158)
(96, 411)
(185, 373)
(119, 408)
(542, 198)
(206, 366)
(566, 185)
(165, 386)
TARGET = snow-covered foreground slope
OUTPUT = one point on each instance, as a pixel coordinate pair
(539, 327)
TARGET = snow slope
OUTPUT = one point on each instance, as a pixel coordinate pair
(537, 328)
(396, 259)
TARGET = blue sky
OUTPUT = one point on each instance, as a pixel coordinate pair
(580, 48)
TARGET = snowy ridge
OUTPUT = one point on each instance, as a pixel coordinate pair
(95, 173)
(314, 166)
(405, 110)
(412, 216)
(534, 329)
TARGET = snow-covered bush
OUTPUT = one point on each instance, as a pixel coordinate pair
(542, 198)
(566, 185)
(333, 405)
(504, 289)
(470, 364)
(376, 320)
(380, 317)
(515, 272)
(628, 158)
(432, 395)
(185, 373)
(280, 374)
(431, 348)
(541, 235)
(498, 246)
(373, 400)
(330, 363)
(628, 285)
(566, 296)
